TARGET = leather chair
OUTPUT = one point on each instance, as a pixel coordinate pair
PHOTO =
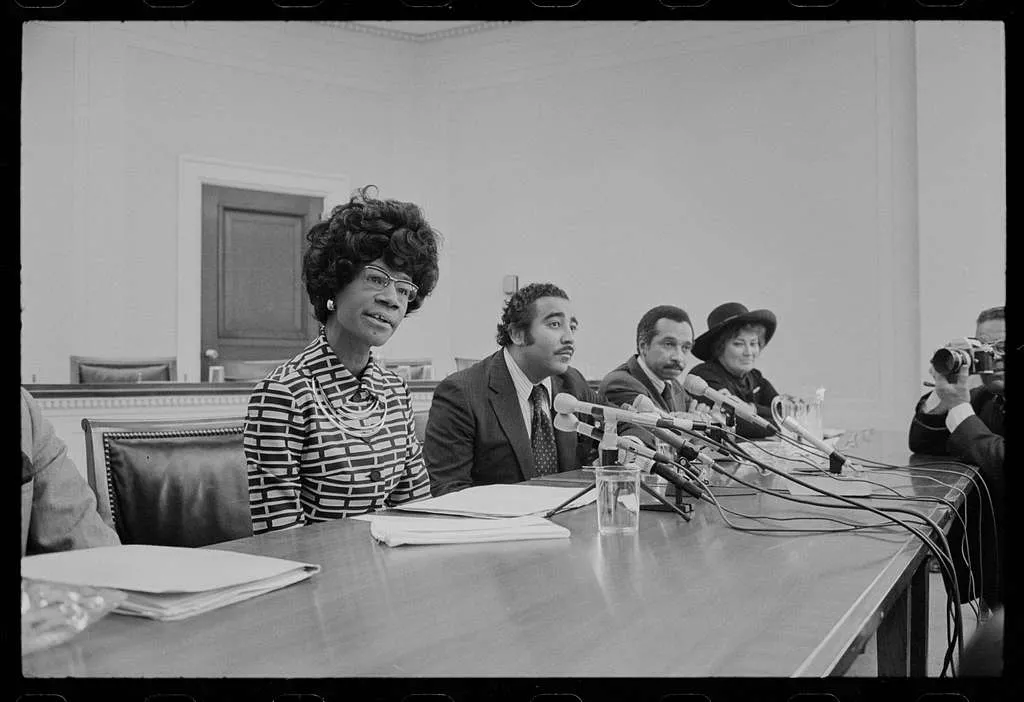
(90, 369)
(171, 483)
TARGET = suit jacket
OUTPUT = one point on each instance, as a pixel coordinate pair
(58, 509)
(752, 387)
(627, 381)
(475, 432)
(978, 440)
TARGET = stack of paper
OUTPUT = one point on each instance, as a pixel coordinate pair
(498, 501)
(168, 582)
(396, 530)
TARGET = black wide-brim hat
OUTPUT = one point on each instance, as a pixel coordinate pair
(731, 315)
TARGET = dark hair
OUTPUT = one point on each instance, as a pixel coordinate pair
(731, 332)
(645, 329)
(519, 311)
(992, 313)
(363, 230)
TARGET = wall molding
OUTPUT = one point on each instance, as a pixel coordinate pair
(193, 173)
(414, 37)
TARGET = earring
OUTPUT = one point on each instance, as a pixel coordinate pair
(330, 305)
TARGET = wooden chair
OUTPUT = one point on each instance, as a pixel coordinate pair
(94, 369)
(170, 482)
(250, 370)
(464, 363)
(411, 368)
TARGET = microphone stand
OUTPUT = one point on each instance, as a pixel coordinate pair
(608, 440)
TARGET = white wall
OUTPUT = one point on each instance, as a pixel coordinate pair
(961, 138)
(783, 165)
(108, 109)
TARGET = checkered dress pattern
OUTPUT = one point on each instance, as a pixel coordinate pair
(302, 468)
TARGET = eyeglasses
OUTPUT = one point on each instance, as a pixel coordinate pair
(380, 279)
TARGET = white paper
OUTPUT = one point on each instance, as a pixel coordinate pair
(496, 501)
(155, 569)
(395, 530)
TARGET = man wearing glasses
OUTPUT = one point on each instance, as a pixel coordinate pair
(330, 433)
(493, 422)
(969, 425)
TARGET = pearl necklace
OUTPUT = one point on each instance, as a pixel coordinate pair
(354, 423)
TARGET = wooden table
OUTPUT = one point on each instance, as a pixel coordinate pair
(678, 599)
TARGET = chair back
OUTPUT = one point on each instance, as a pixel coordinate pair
(250, 370)
(170, 482)
(464, 363)
(93, 369)
(411, 368)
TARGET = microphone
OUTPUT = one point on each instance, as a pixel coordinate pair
(836, 460)
(699, 388)
(643, 403)
(662, 464)
(567, 404)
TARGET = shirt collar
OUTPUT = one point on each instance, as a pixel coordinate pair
(523, 384)
(325, 364)
(658, 383)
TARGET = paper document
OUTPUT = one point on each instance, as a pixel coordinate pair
(168, 582)
(396, 530)
(496, 501)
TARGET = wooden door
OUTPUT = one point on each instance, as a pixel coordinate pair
(254, 304)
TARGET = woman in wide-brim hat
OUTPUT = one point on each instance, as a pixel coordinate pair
(729, 348)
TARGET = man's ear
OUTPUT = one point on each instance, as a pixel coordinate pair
(518, 336)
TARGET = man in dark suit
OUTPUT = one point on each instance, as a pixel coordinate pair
(970, 425)
(664, 338)
(492, 422)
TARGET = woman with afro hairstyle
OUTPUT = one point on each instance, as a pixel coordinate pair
(329, 434)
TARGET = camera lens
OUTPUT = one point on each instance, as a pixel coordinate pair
(947, 362)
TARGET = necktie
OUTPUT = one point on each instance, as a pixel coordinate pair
(666, 394)
(545, 455)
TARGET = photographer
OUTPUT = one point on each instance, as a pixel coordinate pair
(968, 425)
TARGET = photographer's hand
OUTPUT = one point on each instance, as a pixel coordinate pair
(950, 394)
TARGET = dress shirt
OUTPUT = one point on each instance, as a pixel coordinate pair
(958, 414)
(658, 383)
(524, 387)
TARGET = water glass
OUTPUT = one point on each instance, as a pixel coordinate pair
(618, 498)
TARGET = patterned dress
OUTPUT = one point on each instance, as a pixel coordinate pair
(310, 460)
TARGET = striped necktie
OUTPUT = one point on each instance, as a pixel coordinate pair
(542, 439)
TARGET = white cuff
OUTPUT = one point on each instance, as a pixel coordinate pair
(957, 415)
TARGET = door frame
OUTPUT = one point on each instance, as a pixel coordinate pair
(193, 173)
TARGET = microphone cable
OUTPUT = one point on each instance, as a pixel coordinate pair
(943, 553)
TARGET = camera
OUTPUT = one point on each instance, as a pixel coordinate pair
(969, 352)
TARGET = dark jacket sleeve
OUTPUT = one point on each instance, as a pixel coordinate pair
(449, 440)
(976, 443)
(768, 393)
(586, 448)
(619, 388)
(928, 432)
(747, 430)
